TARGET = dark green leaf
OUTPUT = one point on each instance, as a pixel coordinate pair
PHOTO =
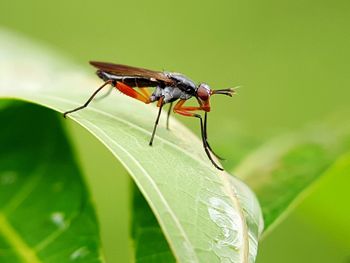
(149, 241)
(45, 210)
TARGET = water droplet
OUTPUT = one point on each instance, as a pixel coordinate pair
(229, 240)
(58, 219)
(79, 253)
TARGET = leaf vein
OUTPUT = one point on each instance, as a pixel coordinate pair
(171, 212)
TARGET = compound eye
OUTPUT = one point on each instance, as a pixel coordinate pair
(203, 92)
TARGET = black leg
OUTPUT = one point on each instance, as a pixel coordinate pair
(89, 100)
(206, 138)
(156, 123)
(205, 145)
(167, 117)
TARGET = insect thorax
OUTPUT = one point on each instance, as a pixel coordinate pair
(184, 88)
(182, 82)
(170, 94)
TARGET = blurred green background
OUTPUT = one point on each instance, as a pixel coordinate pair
(290, 57)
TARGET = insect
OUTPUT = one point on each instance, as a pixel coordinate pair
(168, 88)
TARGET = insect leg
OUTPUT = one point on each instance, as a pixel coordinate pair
(167, 117)
(204, 128)
(89, 100)
(160, 105)
(206, 138)
(182, 110)
(145, 92)
(131, 92)
(106, 94)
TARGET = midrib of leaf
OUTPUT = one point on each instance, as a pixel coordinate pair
(244, 252)
(16, 242)
(222, 175)
(176, 221)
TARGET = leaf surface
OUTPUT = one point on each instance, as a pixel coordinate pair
(201, 211)
(285, 169)
(45, 210)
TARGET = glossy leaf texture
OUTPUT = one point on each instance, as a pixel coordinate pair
(289, 166)
(205, 214)
(149, 242)
(45, 209)
(151, 246)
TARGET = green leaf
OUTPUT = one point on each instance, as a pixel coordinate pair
(149, 241)
(45, 210)
(199, 209)
(148, 236)
(284, 169)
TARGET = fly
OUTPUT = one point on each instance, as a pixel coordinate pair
(168, 87)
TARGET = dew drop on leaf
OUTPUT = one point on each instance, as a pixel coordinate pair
(79, 253)
(58, 219)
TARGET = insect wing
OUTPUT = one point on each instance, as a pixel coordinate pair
(124, 70)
